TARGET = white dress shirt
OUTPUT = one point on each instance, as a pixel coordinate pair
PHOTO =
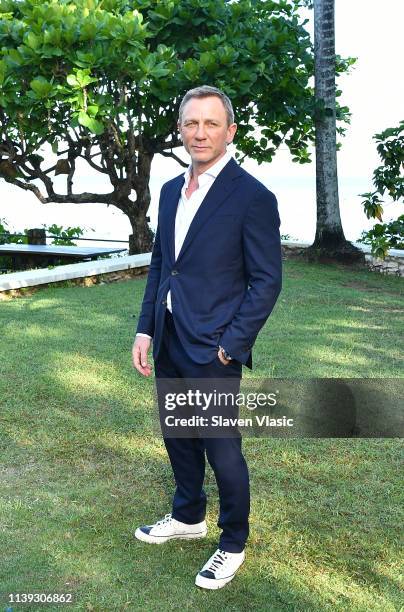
(187, 207)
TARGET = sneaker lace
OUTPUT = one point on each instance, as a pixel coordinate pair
(219, 558)
(164, 520)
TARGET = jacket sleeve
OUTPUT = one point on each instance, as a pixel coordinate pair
(263, 268)
(146, 319)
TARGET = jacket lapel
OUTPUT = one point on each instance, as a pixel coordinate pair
(172, 198)
(222, 187)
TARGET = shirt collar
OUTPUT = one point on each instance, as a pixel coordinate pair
(213, 171)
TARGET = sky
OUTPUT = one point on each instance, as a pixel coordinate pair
(374, 93)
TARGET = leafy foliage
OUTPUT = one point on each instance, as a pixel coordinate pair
(7, 237)
(388, 179)
(63, 236)
(102, 80)
(385, 236)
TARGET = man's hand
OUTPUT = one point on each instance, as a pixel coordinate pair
(139, 355)
(222, 359)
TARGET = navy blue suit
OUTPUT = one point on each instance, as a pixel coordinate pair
(227, 277)
(224, 284)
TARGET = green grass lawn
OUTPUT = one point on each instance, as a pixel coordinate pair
(80, 468)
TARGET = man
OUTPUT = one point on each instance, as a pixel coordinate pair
(214, 278)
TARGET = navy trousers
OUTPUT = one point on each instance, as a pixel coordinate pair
(187, 454)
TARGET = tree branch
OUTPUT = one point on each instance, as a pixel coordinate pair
(27, 187)
(130, 165)
(89, 160)
(69, 180)
(107, 158)
(174, 156)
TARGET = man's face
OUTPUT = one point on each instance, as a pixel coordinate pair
(204, 130)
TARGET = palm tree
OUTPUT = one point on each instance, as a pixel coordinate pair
(330, 241)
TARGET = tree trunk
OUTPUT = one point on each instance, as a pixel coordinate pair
(330, 241)
(141, 239)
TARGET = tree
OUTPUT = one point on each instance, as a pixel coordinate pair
(330, 241)
(388, 180)
(102, 81)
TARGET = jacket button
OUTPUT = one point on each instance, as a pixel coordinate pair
(164, 302)
(174, 272)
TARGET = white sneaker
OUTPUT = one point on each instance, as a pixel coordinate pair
(169, 528)
(219, 570)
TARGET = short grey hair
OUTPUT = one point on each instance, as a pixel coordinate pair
(204, 91)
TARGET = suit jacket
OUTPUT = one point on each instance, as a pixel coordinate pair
(228, 274)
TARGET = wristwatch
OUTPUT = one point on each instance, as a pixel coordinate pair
(225, 353)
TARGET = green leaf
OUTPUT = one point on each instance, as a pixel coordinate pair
(159, 72)
(88, 31)
(84, 78)
(48, 51)
(71, 79)
(14, 57)
(92, 110)
(206, 58)
(32, 41)
(3, 67)
(41, 87)
(74, 120)
(191, 68)
(81, 79)
(89, 122)
(86, 58)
